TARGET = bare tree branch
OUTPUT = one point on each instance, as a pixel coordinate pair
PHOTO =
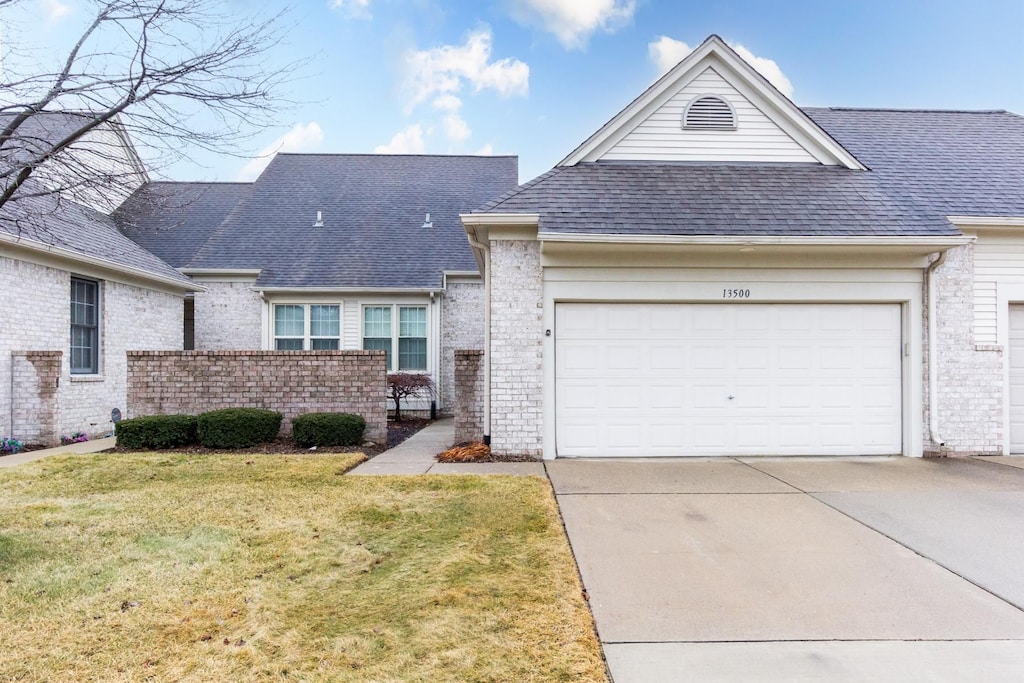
(174, 76)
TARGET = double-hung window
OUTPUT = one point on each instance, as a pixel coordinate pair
(403, 328)
(315, 327)
(85, 327)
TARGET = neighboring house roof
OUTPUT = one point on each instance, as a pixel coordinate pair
(173, 220)
(923, 166)
(945, 162)
(373, 209)
(53, 224)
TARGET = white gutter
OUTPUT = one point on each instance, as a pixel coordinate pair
(98, 262)
(486, 265)
(347, 290)
(933, 353)
(987, 221)
(755, 240)
(254, 272)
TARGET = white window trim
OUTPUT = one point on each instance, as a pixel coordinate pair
(395, 330)
(100, 307)
(307, 324)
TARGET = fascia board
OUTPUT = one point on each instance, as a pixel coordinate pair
(938, 242)
(987, 221)
(73, 257)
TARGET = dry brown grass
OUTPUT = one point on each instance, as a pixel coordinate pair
(225, 568)
(470, 452)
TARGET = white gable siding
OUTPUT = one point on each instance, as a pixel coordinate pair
(351, 324)
(998, 261)
(661, 136)
(97, 171)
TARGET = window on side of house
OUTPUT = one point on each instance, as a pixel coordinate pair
(299, 327)
(412, 338)
(377, 330)
(324, 327)
(397, 328)
(85, 327)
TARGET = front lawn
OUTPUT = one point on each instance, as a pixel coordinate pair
(260, 567)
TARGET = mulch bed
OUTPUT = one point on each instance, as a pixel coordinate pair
(397, 433)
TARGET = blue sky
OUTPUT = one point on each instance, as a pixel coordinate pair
(536, 77)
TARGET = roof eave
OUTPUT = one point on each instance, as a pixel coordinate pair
(183, 284)
(922, 244)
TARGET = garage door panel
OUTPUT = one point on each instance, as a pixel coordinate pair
(804, 379)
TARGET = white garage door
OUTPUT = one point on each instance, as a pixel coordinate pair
(1017, 379)
(727, 379)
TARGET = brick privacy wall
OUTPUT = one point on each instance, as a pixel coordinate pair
(462, 327)
(36, 383)
(229, 317)
(37, 299)
(970, 379)
(469, 395)
(290, 382)
(517, 329)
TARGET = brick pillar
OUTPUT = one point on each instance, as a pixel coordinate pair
(34, 399)
(469, 396)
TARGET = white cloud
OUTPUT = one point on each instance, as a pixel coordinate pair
(456, 128)
(408, 141)
(573, 21)
(486, 151)
(301, 138)
(444, 70)
(767, 68)
(666, 52)
(55, 10)
(447, 103)
(356, 9)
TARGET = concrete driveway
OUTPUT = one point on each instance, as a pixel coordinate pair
(880, 569)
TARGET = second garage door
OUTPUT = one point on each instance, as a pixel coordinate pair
(642, 380)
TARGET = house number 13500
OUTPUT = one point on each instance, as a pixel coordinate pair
(735, 293)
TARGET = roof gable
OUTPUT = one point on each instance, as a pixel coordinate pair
(770, 127)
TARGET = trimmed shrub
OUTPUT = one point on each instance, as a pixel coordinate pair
(156, 432)
(328, 429)
(238, 427)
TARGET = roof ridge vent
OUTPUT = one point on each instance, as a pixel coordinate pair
(709, 112)
(427, 223)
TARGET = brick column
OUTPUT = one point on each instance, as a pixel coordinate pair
(469, 396)
(34, 400)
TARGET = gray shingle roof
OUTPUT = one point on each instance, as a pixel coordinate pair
(946, 162)
(173, 220)
(373, 208)
(58, 222)
(923, 166)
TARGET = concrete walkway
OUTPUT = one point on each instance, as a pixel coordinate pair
(94, 446)
(880, 569)
(416, 454)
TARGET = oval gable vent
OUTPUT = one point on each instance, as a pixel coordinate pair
(709, 112)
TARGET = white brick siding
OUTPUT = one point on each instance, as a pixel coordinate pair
(37, 313)
(970, 379)
(462, 328)
(229, 317)
(517, 334)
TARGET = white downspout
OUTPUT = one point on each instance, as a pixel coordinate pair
(486, 249)
(933, 354)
